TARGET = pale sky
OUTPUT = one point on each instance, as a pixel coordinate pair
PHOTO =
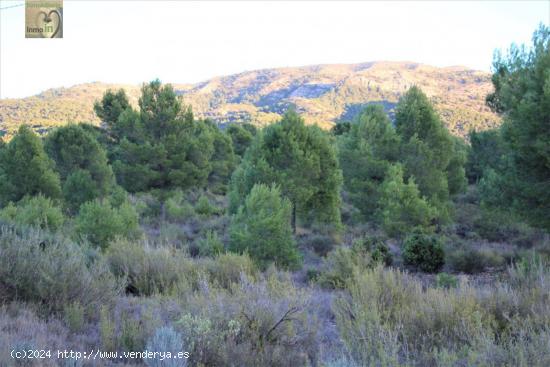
(189, 41)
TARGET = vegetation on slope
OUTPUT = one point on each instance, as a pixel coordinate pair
(287, 245)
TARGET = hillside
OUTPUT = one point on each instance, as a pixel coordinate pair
(323, 94)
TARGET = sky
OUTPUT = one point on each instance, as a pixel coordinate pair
(132, 42)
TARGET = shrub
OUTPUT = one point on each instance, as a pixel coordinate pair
(226, 269)
(36, 211)
(387, 311)
(166, 339)
(107, 329)
(424, 252)
(100, 223)
(376, 247)
(312, 275)
(147, 270)
(339, 265)
(257, 323)
(177, 208)
(204, 208)
(262, 227)
(444, 280)
(132, 336)
(322, 244)
(472, 261)
(52, 271)
(500, 226)
(74, 316)
(210, 244)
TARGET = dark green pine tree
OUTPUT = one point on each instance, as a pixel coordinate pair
(82, 164)
(261, 227)
(522, 94)
(366, 153)
(428, 150)
(162, 146)
(25, 169)
(302, 161)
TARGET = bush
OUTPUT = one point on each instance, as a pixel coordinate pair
(166, 340)
(53, 272)
(147, 270)
(262, 227)
(322, 244)
(376, 247)
(499, 226)
(74, 316)
(210, 245)
(339, 266)
(256, 323)
(204, 208)
(177, 208)
(472, 261)
(106, 329)
(444, 280)
(226, 269)
(36, 211)
(424, 252)
(100, 223)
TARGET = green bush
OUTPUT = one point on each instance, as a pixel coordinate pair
(53, 272)
(226, 269)
(210, 244)
(339, 266)
(132, 333)
(322, 244)
(444, 280)
(74, 316)
(177, 208)
(147, 270)
(424, 252)
(107, 329)
(499, 226)
(262, 322)
(376, 247)
(204, 208)
(472, 261)
(37, 211)
(262, 228)
(100, 223)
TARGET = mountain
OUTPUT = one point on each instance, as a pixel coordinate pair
(323, 94)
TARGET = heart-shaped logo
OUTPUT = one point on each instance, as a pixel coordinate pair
(51, 21)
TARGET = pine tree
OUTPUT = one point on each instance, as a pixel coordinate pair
(112, 105)
(428, 150)
(162, 146)
(522, 94)
(401, 207)
(486, 151)
(25, 169)
(261, 227)
(366, 153)
(82, 164)
(302, 161)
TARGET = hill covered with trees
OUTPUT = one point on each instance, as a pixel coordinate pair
(322, 94)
